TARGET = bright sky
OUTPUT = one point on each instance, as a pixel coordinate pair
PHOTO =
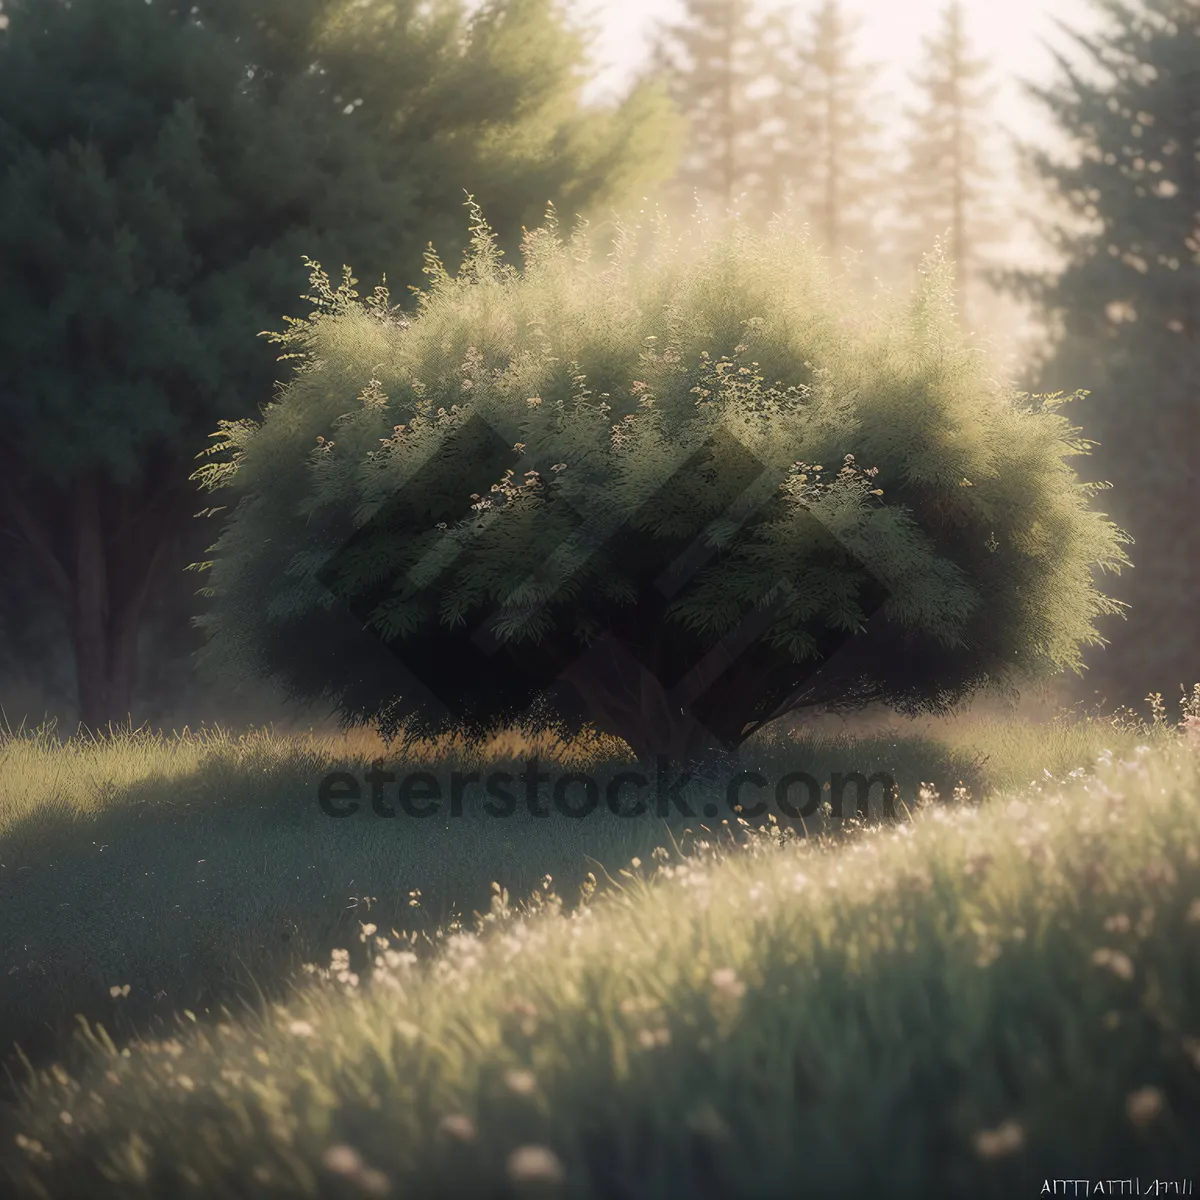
(1005, 31)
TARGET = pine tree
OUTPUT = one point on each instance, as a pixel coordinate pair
(717, 65)
(1126, 310)
(826, 151)
(945, 184)
(165, 167)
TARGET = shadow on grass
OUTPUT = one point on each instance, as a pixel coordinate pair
(208, 886)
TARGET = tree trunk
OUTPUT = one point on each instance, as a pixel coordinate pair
(91, 609)
(98, 552)
(728, 114)
(832, 170)
(959, 186)
(135, 552)
(122, 663)
(626, 700)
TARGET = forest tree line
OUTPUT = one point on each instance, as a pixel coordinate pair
(165, 168)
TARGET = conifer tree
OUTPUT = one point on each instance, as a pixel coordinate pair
(165, 167)
(718, 66)
(826, 148)
(1126, 310)
(945, 186)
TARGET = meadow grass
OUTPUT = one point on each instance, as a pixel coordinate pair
(199, 869)
(740, 1010)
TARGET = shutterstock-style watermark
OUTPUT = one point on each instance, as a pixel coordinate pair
(627, 794)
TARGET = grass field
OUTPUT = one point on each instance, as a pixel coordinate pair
(1003, 987)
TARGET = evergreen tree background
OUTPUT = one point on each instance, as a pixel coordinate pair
(1126, 308)
(720, 70)
(164, 168)
(827, 145)
(945, 185)
(791, 119)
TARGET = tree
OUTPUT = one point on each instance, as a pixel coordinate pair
(1126, 308)
(34, 678)
(576, 482)
(717, 64)
(826, 148)
(945, 182)
(164, 167)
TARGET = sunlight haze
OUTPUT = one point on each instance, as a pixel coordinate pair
(1008, 33)
(1017, 37)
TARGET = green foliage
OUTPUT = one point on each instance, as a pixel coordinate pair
(157, 203)
(164, 168)
(890, 459)
(1125, 307)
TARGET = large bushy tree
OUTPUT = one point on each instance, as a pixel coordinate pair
(1126, 310)
(165, 166)
(683, 492)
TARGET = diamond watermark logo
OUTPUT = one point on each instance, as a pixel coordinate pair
(683, 672)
